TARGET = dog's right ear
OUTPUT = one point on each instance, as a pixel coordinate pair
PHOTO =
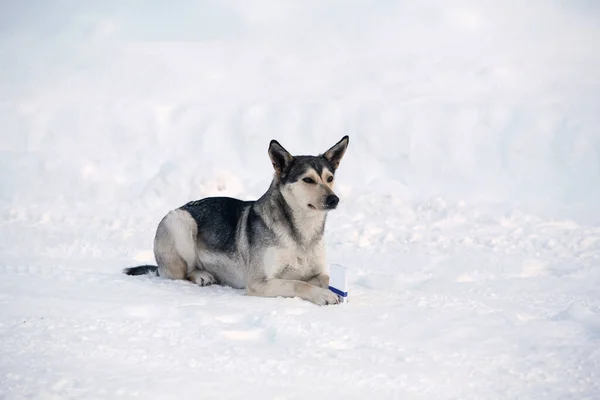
(280, 157)
(334, 155)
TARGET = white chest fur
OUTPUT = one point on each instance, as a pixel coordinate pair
(294, 263)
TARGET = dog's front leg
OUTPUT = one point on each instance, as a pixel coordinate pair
(321, 280)
(292, 288)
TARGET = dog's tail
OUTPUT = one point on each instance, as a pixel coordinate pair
(142, 270)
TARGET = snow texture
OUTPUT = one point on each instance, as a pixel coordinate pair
(469, 218)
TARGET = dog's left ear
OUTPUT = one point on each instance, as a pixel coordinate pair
(280, 157)
(334, 155)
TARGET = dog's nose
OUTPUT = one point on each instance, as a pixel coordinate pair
(332, 201)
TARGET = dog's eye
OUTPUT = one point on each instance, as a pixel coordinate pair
(308, 180)
(330, 179)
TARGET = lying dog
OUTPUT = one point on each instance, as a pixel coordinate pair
(271, 247)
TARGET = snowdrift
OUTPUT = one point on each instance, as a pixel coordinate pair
(470, 101)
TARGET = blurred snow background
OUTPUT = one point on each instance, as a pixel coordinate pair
(469, 100)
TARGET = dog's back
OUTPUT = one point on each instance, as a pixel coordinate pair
(218, 220)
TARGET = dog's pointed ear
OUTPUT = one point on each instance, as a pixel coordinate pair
(334, 155)
(280, 157)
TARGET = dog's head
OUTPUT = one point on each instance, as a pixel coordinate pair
(306, 182)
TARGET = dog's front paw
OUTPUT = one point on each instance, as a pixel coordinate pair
(323, 297)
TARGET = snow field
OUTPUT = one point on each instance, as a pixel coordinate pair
(468, 219)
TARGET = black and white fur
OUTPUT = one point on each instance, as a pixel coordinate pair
(271, 247)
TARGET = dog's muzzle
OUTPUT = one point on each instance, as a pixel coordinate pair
(331, 201)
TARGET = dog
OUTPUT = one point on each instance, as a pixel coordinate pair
(271, 247)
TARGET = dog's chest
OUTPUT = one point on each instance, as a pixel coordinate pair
(294, 263)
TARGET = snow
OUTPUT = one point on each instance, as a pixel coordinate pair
(468, 220)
